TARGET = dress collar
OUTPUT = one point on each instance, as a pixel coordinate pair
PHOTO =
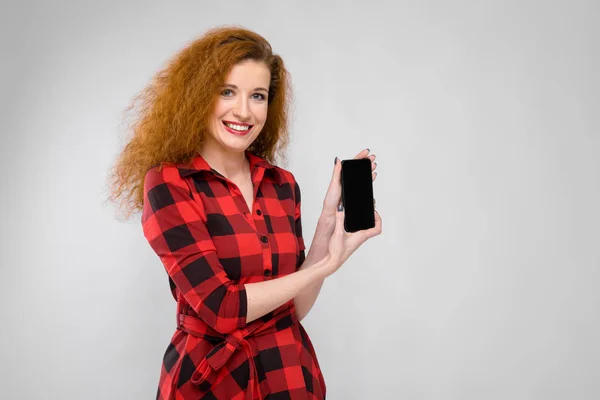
(198, 164)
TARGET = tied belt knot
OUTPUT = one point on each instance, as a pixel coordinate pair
(229, 343)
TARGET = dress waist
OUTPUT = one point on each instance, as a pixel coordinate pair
(229, 343)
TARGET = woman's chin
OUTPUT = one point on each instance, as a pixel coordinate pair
(237, 145)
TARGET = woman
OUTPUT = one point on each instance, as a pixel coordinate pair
(226, 223)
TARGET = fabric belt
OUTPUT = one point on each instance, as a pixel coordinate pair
(218, 356)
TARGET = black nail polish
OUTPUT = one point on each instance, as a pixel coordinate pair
(335, 161)
(340, 207)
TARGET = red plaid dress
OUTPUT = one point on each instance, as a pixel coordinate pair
(211, 245)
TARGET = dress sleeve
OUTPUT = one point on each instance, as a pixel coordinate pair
(175, 226)
(298, 225)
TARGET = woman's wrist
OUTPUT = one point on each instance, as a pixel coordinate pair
(328, 216)
(324, 267)
(320, 243)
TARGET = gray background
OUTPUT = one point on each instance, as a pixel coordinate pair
(484, 118)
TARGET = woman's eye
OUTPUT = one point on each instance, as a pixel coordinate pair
(256, 96)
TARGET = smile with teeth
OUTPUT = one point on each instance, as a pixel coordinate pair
(239, 128)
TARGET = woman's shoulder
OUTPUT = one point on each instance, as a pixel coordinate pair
(166, 173)
(287, 177)
(285, 174)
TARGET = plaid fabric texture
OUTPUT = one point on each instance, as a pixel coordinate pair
(212, 245)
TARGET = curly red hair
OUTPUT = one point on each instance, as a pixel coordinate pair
(172, 118)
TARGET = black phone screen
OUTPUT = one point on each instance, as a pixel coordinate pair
(357, 194)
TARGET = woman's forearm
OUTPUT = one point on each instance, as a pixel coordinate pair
(264, 297)
(306, 298)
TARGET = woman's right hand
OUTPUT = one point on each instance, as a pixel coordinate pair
(342, 244)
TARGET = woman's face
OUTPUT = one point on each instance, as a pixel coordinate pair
(241, 108)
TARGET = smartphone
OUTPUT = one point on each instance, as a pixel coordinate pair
(357, 194)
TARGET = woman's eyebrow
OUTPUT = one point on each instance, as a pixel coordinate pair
(235, 87)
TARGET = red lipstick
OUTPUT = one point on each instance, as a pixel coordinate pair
(233, 131)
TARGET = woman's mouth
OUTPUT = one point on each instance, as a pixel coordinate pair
(237, 128)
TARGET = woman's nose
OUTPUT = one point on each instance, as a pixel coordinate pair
(241, 110)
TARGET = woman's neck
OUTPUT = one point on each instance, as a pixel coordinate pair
(232, 165)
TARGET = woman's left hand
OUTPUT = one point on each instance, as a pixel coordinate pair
(326, 225)
(334, 192)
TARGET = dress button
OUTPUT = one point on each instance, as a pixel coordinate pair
(267, 272)
(258, 212)
(264, 239)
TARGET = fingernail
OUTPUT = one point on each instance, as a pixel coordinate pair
(340, 207)
(335, 161)
(369, 150)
